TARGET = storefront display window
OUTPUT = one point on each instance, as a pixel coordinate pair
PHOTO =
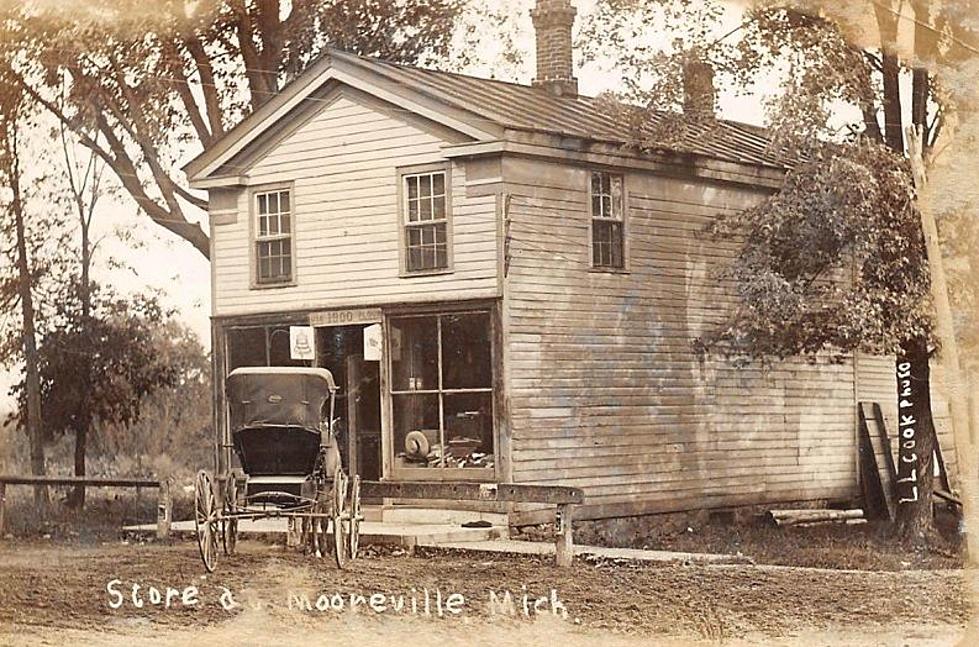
(442, 390)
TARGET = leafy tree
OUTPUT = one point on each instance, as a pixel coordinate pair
(99, 368)
(833, 262)
(140, 84)
(173, 430)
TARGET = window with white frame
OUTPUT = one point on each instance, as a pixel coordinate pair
(426, 220)
(607, 233)
(273, 237)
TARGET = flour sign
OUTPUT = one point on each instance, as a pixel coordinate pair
(301, 342)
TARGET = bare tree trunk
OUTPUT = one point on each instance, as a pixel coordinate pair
(28, 334)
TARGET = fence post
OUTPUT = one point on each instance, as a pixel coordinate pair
(3, 504)
(564, 545)
(164, 510)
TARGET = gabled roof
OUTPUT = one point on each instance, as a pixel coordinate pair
(483, 109)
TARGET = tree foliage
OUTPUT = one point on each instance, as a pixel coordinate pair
(832, 261)
(100, 368)
(140, 84)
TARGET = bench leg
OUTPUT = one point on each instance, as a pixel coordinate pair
(164, 510)
(564, 545)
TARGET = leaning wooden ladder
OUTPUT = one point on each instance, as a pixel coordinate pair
(877, 470)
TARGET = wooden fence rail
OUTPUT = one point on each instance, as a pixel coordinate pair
(565, 498)
(164, 508)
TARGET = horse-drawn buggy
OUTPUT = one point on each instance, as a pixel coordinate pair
(283, 433)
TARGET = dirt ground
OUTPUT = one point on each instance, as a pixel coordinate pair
(54, 593)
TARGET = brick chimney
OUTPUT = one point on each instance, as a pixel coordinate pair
(552, 22)
(699, 95)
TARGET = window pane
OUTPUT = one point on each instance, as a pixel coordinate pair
(413, 188)
(596, 183)
(616, 197)
(417, 439)
(596, 206)
(284, 201)
(263, 225)
(264, 268)
(425, 209)
(607, 248)
(273, 203)
(286, 225)
(412, 210)
(438, 206)
(415, 259)
(466, 351)
(246, 347)
(279, 351)
(425, 185)
(441, 256)
(468, 425)
(414, 354)
(438, 184)
(263, 203)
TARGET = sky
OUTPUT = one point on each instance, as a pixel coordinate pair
(166, 263)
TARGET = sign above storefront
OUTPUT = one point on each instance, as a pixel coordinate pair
(301, 342)
(373, 342)
(352, 316)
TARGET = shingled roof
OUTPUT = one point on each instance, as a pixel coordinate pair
(527, 108)
(477, 107)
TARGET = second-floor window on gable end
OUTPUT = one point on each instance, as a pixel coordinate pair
(426, 221)
(607, 221)
(273, 237)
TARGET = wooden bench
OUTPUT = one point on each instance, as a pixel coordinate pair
(164, 510)
(565, 498)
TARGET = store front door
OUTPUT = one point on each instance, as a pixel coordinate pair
(358, 405)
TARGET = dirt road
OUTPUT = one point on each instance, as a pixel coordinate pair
(58, 594)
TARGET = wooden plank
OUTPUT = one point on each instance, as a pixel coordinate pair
(458, 491)
(563, 541)
(94, 481)
(164, 510)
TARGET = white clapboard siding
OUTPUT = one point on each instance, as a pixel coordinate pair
(605, 389)
(343, 165)
(877, 382)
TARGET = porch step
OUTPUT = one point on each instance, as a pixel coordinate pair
(418, 515)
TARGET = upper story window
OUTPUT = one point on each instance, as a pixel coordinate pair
(273, 237)
(426, 221)
(607, 232)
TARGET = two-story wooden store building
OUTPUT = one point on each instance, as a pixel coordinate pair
(505, 294)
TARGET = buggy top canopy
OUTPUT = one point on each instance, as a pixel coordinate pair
(279, 397)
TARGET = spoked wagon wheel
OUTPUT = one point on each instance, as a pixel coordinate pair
(341, 538)
(355, 517)
(206, 520)
(230, 524)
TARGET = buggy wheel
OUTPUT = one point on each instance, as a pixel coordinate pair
(340, 529)
(230, 524)
(206, 520)
(355, 517)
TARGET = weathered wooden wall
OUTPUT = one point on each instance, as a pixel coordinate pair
(606, 391)
(877, 382)
(342, 163)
